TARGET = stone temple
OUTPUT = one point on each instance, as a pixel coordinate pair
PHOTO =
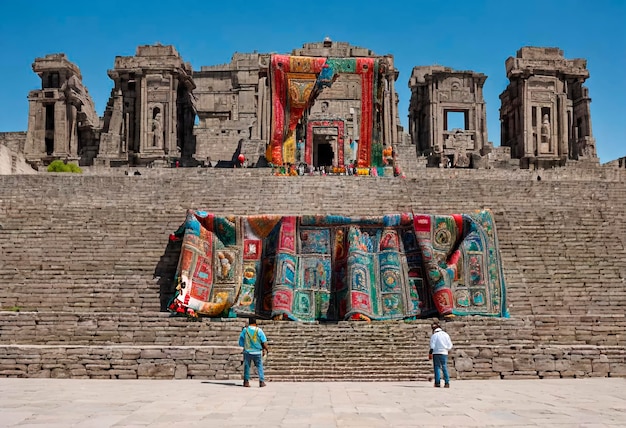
(187, 205)
(327, 104)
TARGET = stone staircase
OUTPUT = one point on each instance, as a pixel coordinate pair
(86, 267)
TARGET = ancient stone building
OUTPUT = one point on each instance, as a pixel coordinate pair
(326, 104)
(62, 120)
(228, 99)
(447, 116)
(150, 115)
(332, 104)
(545, 112)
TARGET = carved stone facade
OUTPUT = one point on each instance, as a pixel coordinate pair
(327, 104)
(333, 125)
(150, 114)
(545, 112)
(439, 95)
(62, 121)
(228, 101)
(255, 107)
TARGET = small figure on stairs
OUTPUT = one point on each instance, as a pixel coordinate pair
(254, 343)
(440, 344)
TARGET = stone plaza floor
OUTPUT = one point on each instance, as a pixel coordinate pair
(590, 402)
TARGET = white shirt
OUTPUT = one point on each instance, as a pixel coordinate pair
(440, 342)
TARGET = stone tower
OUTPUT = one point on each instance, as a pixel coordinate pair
(229, 98)
(62, 120)
(447, 116)
(545, 116)
(150, 114)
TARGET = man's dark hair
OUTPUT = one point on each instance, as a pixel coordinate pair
(252, 320)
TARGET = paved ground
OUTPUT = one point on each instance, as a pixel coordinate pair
(190, 403)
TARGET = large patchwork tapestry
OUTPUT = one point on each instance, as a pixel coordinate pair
(308, 268)
(295, 83)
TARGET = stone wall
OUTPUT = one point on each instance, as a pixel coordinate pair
(85, 267)
(12, 162)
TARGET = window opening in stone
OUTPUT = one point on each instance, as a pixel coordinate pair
(49, 135)
(455, 119)
(53, 80)
(49, 117)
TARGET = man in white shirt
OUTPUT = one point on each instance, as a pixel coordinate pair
(440, 344)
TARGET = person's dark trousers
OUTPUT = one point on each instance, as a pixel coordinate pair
(440, 362)
(258, 362)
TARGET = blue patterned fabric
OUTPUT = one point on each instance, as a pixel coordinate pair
(334, 267)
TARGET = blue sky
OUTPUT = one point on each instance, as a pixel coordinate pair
(473, 35)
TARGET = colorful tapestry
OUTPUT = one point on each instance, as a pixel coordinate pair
(296, 81)
(308, 268)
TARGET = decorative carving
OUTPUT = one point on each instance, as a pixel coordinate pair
(157, 130)
(545, 130)
(459, 140)
(541, 96)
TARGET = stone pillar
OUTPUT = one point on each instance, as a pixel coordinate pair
(395, 139)
(387, 112)
(34, 146)
(60, 130)
(563, 132)
(170, 145)
(525, 122)
(144, 121)
(258, 129)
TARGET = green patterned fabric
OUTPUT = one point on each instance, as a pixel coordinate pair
(308, 268)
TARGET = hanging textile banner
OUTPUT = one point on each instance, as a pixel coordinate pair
(296, 81)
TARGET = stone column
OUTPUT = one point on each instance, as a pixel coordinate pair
(435, 115)
(170, 145)
(395, 139)
(36, 128)
(387, 112)
(72, 130)
(267, 111)
(143, 120)
(257, 130)
(563, 133)
(526, 121)
(61, 136)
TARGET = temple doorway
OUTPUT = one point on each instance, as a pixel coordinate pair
(324, 143)
(323, 153)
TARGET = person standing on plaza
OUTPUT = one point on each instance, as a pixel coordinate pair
(254, 343)
(440, 344)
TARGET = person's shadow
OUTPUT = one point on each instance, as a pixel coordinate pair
(165, 271)
(224, 383)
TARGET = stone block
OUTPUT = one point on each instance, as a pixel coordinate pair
(152, 354)
(156, 370)
(502, 364)
(463, 364)
(544, 364)
(181, 371)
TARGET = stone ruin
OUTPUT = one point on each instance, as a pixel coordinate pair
(163, 113)
(62, 119)
(437, 93)
(150, 114)
(545, 112)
